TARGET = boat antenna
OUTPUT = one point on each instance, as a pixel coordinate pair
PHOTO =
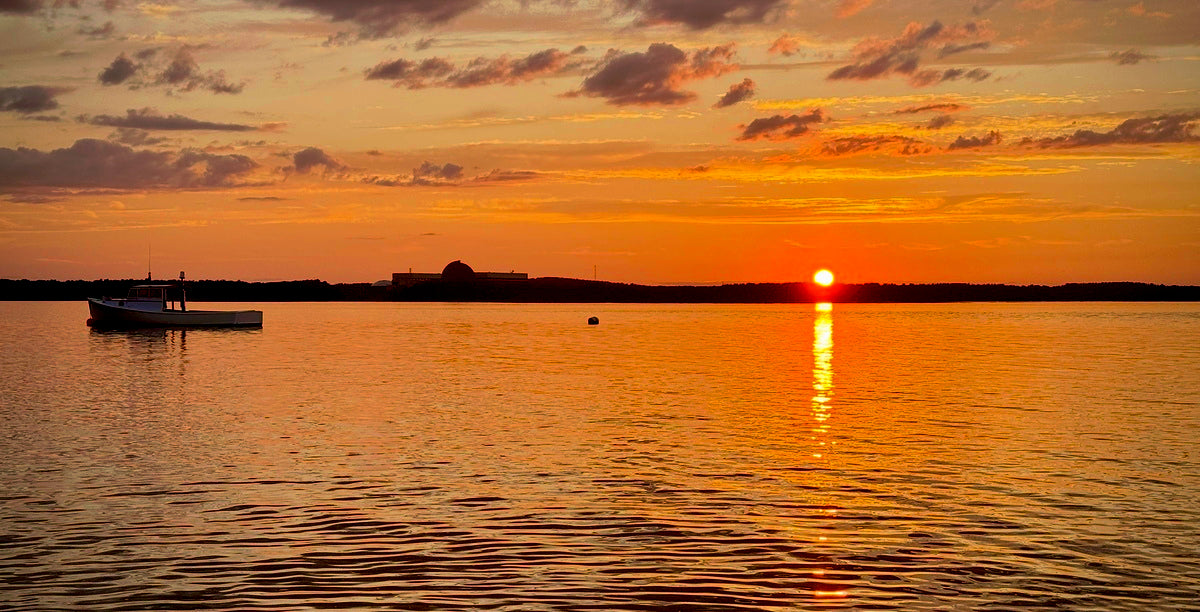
(148, 277)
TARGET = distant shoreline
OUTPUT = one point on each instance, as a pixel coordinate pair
(567, 290)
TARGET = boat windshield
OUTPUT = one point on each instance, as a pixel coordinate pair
(148, 293)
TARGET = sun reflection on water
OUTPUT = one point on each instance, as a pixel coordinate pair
(822, 411)
(822, 374)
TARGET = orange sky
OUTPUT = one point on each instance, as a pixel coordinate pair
(655, 141)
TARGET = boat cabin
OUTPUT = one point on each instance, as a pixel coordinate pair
(155, 297)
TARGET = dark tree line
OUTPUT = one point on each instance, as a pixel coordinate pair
(551, 290)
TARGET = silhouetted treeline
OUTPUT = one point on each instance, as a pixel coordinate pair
(552, 290)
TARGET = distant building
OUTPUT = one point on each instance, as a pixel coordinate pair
(454, 272)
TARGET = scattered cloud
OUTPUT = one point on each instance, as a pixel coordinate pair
(180, 72)
(849, 8)
(92, 163)
(781, 127)
(856, 145)
(738, 92)
(1139, 10)
(880, 58)
(1129, 57)
(480, 72)
(1162, 129)
(134, 137)
(184, 72)
(939, 122)
(982, 6)
(119, 71)
(703, 14)
(449, 175)
(786, 45)
(151, 119)
(925, 78)
(655, 77)
(305, 160)
(100, 32)
(975, 142)
(380, 19)
(29, 99)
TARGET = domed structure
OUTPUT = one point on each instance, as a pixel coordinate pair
(457, 271)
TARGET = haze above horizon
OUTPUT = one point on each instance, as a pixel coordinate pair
(641, 141)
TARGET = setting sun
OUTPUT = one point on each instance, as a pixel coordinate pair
(823, 278)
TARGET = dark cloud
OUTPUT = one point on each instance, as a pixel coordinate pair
(738, 92)
(924, 78)
(432, 174)
(975, 142)
(480, 72)
(939, 122)
(1129, 57)
(852, 145)
(150, 119)
(91, 163)
(880, 58)
(20, 7)
(982, 6)
(656, 76)
(181, 72)
(939, 107)
(119, 71)
(29, 98)
(305, 160)
(408, 73)
(184, 72)
(376, 18)
(1144, 130)
(702, 14)
(781, 127)
(953, 49)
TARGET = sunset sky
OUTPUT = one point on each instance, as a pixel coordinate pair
(649, 141)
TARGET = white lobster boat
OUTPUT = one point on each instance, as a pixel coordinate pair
(163, 306)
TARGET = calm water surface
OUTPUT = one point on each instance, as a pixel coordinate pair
(696, 457)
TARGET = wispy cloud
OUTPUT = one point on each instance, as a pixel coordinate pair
(151, 119)
(480, 72)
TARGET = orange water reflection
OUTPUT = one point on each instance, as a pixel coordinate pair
(822, 376)
(822, 412)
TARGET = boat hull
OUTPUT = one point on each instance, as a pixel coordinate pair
(108, 314)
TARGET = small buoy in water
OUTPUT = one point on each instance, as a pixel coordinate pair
(593, 320)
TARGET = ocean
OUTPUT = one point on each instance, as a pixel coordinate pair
(385, 456)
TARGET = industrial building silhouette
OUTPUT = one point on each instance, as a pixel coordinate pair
(454, 272)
